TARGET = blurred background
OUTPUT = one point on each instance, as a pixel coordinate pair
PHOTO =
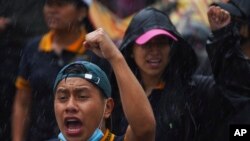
(21, 20)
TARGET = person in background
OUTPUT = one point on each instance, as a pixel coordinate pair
(33, 116)
(83, 102)
(229, 52)
(18, 23)
(163, 63)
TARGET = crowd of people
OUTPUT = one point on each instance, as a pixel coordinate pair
(73, 83)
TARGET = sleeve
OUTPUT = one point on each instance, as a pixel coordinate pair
(22, 81)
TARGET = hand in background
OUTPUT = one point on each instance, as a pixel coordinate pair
(4, 22)
(218, 17)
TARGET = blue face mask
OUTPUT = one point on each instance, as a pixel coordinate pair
(61, 137)
(96, 136)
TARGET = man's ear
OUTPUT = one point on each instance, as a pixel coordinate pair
(109, 107)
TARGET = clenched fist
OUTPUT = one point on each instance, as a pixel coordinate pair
(218, 17)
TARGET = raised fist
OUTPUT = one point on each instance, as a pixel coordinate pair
(218, 17)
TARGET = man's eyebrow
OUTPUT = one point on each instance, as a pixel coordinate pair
(60, 89)
(81, 88)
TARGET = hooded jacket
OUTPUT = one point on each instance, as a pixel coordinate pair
(170, 104)
(182, 57)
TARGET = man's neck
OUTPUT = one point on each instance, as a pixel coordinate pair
(63, 39)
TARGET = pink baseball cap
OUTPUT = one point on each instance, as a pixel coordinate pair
(144, 38)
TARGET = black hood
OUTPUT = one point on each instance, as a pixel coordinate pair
(182, 58)
(140, 24)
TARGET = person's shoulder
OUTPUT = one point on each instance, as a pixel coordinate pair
(203, 87)
(33, 43)
(34, 40)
